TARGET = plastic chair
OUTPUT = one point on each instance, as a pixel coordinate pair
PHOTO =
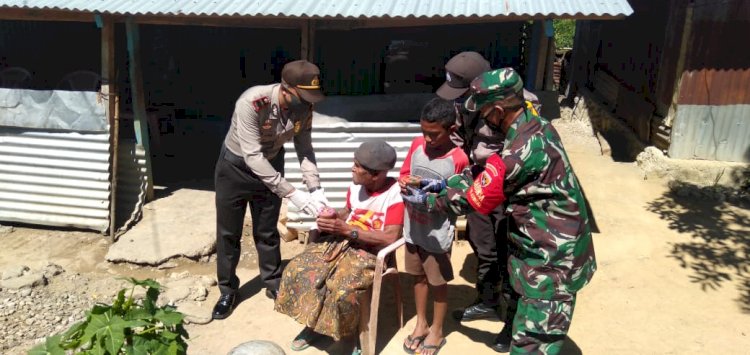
(368, 321)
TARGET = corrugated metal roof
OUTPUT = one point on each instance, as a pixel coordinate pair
(337, 8)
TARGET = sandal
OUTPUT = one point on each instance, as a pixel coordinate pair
(303, 340)
(411, 340)
(433, 347)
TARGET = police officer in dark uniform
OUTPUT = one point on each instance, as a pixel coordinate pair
(250, 170)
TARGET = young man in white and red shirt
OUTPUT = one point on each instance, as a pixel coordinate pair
(429, 234)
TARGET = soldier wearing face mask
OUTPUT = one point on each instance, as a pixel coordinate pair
(486, 233)
(250, 171)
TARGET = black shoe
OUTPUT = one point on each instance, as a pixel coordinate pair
(502, 341)
(477, 311)
(223, 307)
(270, 293)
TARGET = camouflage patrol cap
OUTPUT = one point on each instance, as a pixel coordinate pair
(493, 86)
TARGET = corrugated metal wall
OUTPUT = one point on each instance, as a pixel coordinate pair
(334, 149)
(58, 179)
(712, 132)
(713, 108)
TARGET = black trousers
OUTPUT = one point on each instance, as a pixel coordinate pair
(487, 236)
(236, 187)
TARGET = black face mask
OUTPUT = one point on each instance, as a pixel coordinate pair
(488, 123)
(295, 103)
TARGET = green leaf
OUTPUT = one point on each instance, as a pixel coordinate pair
(169, 318)
(169, 335)
(143, 345)
(161, 349)
(119, 301)
(100, 309)
(149, 283)
(73, 336)
(150, 302)
(110, 330)
(51, 346)
(138, 314)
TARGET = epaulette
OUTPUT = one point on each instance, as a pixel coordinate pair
(261, 102)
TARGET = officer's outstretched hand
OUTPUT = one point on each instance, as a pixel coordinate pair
(319, 196)
(415, 196)
(304, 202)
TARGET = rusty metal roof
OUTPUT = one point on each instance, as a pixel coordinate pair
(344, 9)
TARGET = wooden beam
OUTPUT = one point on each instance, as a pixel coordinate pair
(45, 15)
(311, 41)
(304, 47)
(109, 95)
(537, 57)
(139, 105)
(221, 21)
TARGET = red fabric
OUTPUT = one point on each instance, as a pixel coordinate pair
(395, 214)
(486, 193)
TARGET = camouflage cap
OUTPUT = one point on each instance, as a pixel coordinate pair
(493, 86)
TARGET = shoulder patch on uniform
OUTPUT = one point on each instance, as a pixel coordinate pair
(261, 102)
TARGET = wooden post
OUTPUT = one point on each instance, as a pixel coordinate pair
(139, 106)
(109, 95)
(304, 40)
(307, 45)
(537, 57)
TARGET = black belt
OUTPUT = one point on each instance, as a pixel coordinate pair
(235, 159)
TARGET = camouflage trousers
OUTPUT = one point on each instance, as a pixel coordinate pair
(540, 326)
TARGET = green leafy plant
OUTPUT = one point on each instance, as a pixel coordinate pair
(125, 327)
(564, 32)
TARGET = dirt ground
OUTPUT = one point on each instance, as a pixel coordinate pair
(673, 278)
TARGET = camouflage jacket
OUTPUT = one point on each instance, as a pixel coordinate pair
(551, 245)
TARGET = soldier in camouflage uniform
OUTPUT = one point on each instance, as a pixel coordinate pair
(548, 230)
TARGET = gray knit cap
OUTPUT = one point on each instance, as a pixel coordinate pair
(376, 155)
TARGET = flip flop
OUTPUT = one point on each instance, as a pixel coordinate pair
(306, 337)
(434, 347)
(411, 341)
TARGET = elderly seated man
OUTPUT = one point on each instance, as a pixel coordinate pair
(321, 287)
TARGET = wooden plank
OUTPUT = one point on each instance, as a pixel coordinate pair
(109, 94)
(139, 104)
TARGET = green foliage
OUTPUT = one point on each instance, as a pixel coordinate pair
(565, 31)
(125, 327)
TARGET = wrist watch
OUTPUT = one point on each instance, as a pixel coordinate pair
(354, 234)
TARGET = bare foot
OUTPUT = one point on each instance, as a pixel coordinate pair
(432, 344)
(415, 339)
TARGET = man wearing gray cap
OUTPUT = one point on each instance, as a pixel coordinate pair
(250, 170)
(321, 287)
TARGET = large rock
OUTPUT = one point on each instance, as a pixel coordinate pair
(181, 224)
(257, 347)
(12, 272)
(194, 313)
(31, 279)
